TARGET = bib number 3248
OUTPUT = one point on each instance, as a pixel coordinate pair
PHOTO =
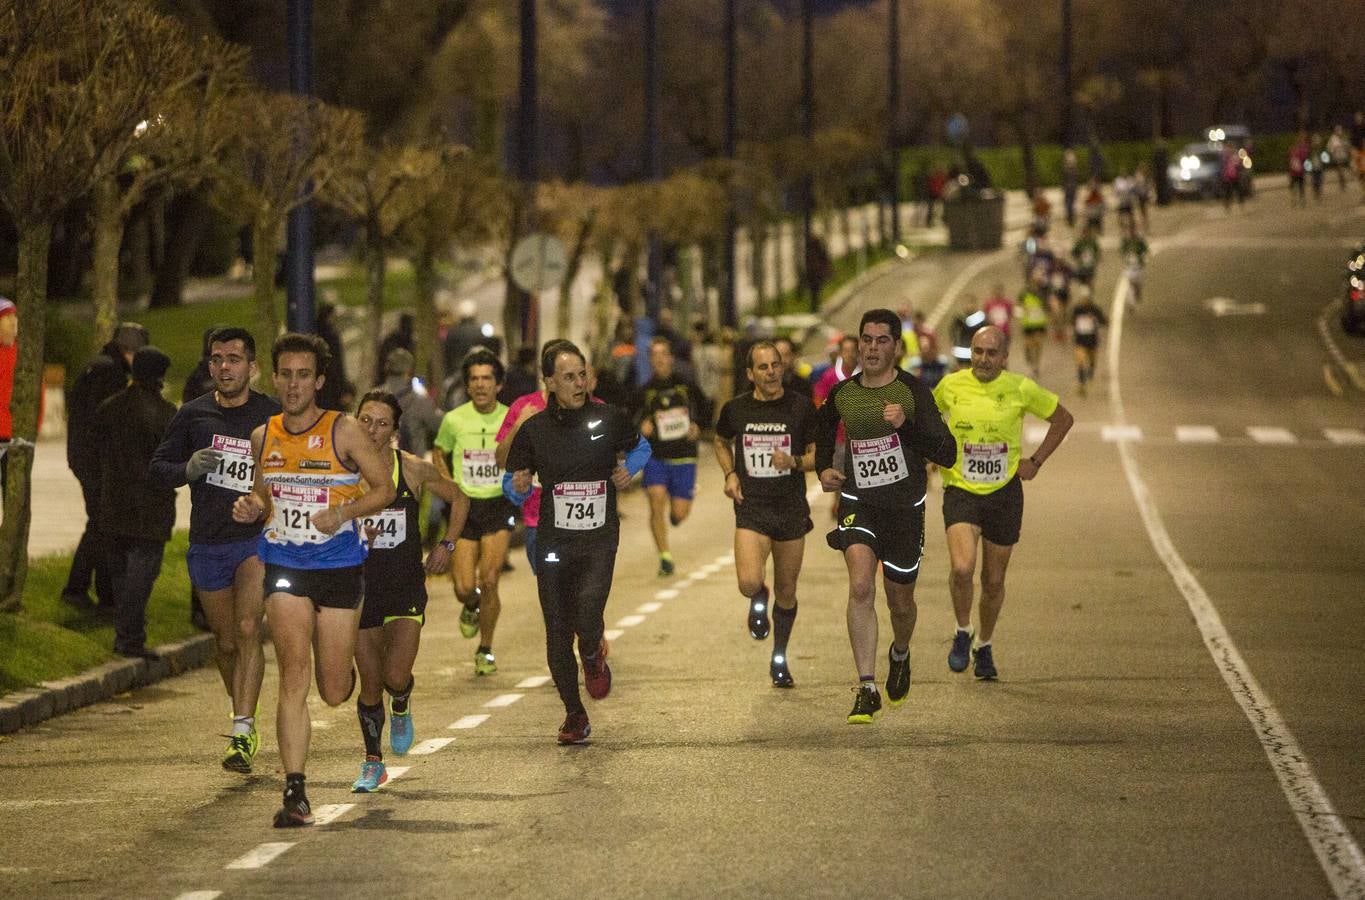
(878, 461)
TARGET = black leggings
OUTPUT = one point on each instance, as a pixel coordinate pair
(573, 595)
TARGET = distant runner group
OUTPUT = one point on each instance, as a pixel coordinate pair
(312, 519)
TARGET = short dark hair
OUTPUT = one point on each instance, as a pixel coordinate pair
(293, 342)
(552, 351)
(232, 333)
(881, 316)
(749, 357)
(661, 339)
(482, 356)
(381, 396)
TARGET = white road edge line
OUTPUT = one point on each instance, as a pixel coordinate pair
(260, 855)
(1350, 368)
(1339, 855)
(468, 722)
(974, 268)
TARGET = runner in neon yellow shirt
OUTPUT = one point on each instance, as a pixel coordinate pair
(983, 494)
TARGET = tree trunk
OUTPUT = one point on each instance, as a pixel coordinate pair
(375, 267)
(430, 359)
(31, 294)
(603, 303)
(185, 227)
(580, 246)
(109, 222)
(265, 237)
(1026, 150)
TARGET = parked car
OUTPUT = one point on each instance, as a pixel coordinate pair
(1353, 302)
(1196, 171)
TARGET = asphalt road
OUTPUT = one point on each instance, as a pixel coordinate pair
(1111, 759)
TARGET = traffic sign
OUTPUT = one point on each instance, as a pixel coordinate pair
(539, 263)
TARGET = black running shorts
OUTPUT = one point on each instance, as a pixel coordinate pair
(341, 588)
(999, 514)
(388, 602)
(772, 521)
(488, 515)
(895, 535)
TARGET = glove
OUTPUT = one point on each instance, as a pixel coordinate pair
(202, 462)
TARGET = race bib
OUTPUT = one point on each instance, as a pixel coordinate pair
(985, 463)
(1085, 325)
(580, 505)
(758, 454)
(1058, 281)
(672, 424)
(878, 461)
(390, 527)
(295, 505)
(479, 468)
(236, 469)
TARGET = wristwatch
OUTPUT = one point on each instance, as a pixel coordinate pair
(447, 544)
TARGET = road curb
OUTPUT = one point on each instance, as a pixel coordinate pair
(26, 708)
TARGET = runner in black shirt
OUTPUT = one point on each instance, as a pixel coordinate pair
(209, 447)
(893, 425)
(577, 448)
(764, 442)
(671, 417)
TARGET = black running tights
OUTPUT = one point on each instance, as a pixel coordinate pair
(573, 595)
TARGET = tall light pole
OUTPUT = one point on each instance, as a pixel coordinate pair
(300, 303)
(808, 133)
(654, 278)
(1067, 92)
(893, 114)
(527, 305)
(728, 316)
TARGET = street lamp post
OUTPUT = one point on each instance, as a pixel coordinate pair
(808, 133)
(893, 115)
(300, 306)
(728, 316)
(1067, 91)
(527, 305)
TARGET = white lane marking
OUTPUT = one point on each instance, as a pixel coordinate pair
(1196, 434)
(1339, 855)
(666, 594)
(956, 286)
(699, 575)
(199, 895)
(396, 772)
(726, 560)
(1034, 433)
(320, 723)
(1325, 331)
(534, 681)
(629, 621)
(468, 722)
(1266, 434)
(1344, 435)
(430, 745)
(649, 607)
(612, 634)
(682, 582)
(1117, 434)
(330, 812)
(710, 569)
(502, 700)
(260, 855)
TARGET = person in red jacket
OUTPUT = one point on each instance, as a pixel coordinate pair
(9, 352)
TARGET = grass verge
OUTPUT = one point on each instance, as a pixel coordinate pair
(48, 639)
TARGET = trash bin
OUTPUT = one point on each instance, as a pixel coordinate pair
(975, 221)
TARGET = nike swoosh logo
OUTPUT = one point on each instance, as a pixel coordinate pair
(594, 424)
(596, 436)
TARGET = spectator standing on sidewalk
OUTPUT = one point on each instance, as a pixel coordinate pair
(420, 419)
(136, 514)
(1298, 164)
(9, 352)
(106, 375)
(1071, 180)
(335, 387)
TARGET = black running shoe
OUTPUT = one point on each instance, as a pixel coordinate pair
(985, 665)
(898, 678)
(758, 615)
(781, 675)
(867, 703)
(295, 813)
(961, 654)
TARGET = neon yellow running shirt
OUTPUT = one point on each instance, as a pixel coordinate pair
(469, 439)
(987, 421)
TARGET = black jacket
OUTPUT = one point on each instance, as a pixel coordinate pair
(106, 375)
(131, 425)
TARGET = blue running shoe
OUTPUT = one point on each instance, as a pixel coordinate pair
(372, 775)
(400, 730)
(961, 652)
(985, 664)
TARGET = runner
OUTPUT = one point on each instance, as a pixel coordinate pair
(670, 418)
(1086, 321)
(983, 494)
(309, 464)
(208, 447)
(1034, 318)
(756, 436)
(395, 608)
(576, 448)
(1134, 250)
(892, 426)
(465, 447)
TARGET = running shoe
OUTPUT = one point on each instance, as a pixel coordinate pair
(295, 813)
(469, 621)
(897, 679)
(867, 703)
(758, 615)
(484, 663)
(597, 674)
(960, 655)
(372, 775)
(400, 730)
(665, 567)
(985, 665)
(780, 674)
(575, 729)
(240, 752)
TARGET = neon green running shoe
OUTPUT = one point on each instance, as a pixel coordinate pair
(484, 663)
(241, 750)
(469, 621)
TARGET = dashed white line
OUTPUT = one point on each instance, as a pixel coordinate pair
(260, 855)
(1265, 434)
(612, 634)
(502, 700)
(666, 594)
(629, 621)
(1115, 434)
(396, 772)
(199, 895)
(1351, 436)
(330, 812)
(320, 723)
(710, 569)
(430, 745)
(649, 607)
(534, 681)
(1196, 434)
(1336, 849)
(726, 560)
(467, 722)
